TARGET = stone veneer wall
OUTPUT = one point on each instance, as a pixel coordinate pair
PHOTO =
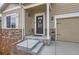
(9, 37)
(0, 36)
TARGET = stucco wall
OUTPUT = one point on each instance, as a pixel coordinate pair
(18, 15)
(57, 8)
(10, 5)
(64, 8)
(30, 20)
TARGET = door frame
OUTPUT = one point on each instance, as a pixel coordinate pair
(68, 15)
(38, 14)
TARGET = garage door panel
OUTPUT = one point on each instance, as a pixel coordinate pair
(68, 29)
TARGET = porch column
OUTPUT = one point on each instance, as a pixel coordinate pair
(47, 14)
(23, 20)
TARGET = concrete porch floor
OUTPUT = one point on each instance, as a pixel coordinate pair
(60, 48)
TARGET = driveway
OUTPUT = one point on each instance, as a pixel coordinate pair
(61, 48)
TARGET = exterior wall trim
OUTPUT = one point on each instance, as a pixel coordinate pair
(48, 18)
(67, 15)
(76, 14)
(17, 7)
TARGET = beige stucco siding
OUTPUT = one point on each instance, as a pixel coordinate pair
(30, 20)
(11, 5)
(64, 8)
(18, 17)
(67, 29)
(57, 9)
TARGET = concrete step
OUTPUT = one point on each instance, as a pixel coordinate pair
(37, 48)
(27, 44)
(32, 44)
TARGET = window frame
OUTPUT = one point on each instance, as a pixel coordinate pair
(16, 20)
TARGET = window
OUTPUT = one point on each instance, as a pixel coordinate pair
(11, 21)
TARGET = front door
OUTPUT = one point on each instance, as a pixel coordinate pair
(39, 24)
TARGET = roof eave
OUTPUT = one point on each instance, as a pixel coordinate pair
(3, 7)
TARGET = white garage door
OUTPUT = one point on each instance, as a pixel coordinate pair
(68, 29)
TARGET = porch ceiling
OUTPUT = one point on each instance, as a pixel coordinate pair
(34, 9)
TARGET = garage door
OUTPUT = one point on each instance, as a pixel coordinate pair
(68, 29)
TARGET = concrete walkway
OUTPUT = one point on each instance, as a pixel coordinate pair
(61, 48)
(48, 49)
